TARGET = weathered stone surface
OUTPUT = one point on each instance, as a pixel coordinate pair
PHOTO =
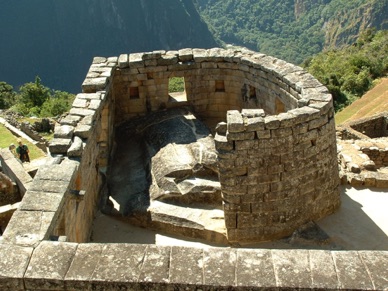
(94, 84)
(82, 111)
(258, 262)
(292, 268)
(377, 265)
(64, 171)
(13, 264)
(59, 145)
(219, 267)
(71, 120)
(85, 261)
(28, 228)
(49, 265)
(42, 201)
(352, 273)
(186, 266)
(323, 272)
(64, 131)
(119, 265)
(76, 147)
(82, 131)
(156, 265)
(183, 155)
(15, 170)
(235, 121)
(123, 61)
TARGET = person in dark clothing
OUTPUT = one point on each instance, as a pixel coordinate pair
(23, 152)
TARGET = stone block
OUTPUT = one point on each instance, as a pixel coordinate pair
(185, 55)
(13, 264)
(71, 120)
(84, 263)
(59, 145)
(214, 274)
(156, 265)
(42, 201)
(186, 266)
(271, 122)
(76, 148)
(240, 136)
(80, 103)
(253, 113)
(235, 121)
(222, 143)
(259, 263)
(119, 265)
(81, 111)
(292, 268)
(83, 131)
(49, 265)
(123, 61)
(58, 172)
(28, 228)
(92, 85)
(351, 271)
(64, 131)
(49, 186)
(95, 104)
(377, 265)
(246, 144)
(255, 124)
(323, 272)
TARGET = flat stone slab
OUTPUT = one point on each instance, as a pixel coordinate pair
(42, 201)
(48, 266)
(28, 228)
(13, 264)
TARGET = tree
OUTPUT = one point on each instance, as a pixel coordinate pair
(34, 94)
(57, 104)
(7, 95)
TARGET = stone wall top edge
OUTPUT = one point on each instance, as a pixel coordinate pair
(58, 262)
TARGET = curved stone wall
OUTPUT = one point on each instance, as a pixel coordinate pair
(277, 150)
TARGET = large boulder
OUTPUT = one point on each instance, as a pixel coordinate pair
(183, 156)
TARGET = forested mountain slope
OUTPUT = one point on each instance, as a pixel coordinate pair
(57, 39)
(292, 29)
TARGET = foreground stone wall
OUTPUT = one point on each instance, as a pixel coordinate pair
(69, 266)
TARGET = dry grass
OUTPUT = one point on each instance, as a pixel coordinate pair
(373, 102)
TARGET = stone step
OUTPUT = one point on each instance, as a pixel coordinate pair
(200, 223)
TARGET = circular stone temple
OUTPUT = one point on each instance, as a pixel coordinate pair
(275, 137)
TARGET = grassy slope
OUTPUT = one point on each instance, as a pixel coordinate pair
(373, 102)
(6, 138)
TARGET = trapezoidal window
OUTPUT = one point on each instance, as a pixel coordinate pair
(176, 89)
(134, 93)
(220, 86)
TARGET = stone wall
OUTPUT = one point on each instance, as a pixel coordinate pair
(85, 135)
(70, 266)
(62, 198)
(13, 168)
(277, 172)
(376, 126)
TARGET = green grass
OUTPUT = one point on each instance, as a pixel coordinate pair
(6, 138)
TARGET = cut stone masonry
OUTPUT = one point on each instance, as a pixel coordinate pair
(278, 169)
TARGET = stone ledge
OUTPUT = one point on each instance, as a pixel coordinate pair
(71, 266)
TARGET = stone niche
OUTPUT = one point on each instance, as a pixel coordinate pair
(275, 134)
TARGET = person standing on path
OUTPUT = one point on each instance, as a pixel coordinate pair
(23, 152)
